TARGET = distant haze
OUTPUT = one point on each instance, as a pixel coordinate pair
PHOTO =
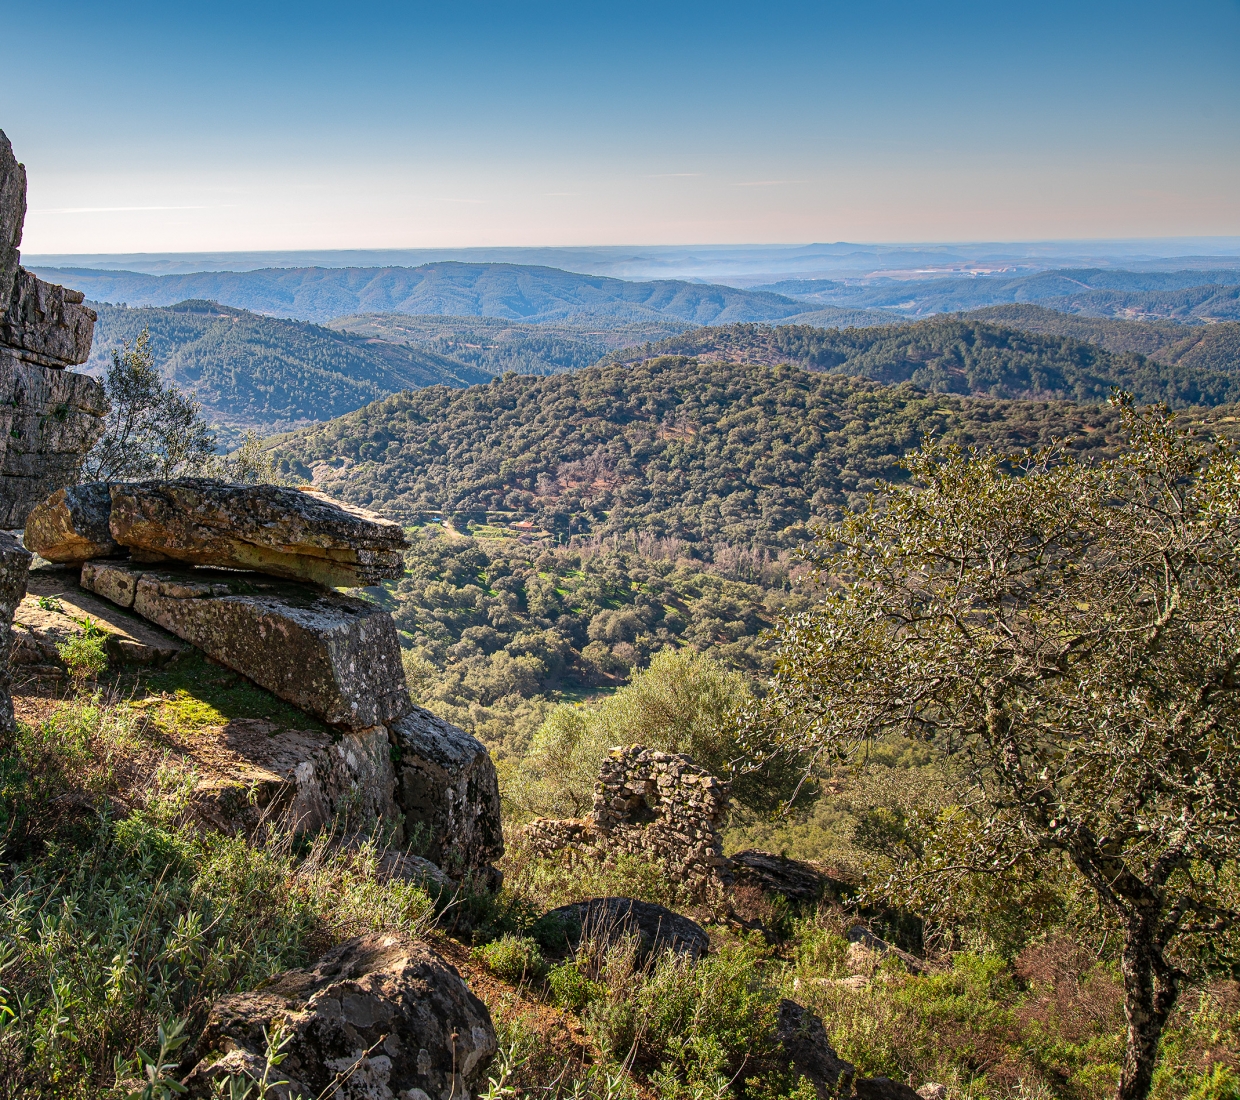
(277, 127)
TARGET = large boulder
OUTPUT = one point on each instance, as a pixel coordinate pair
(47, 324)
(71, 526)
(804, 1044)
(334, 656)
(449, 794)
(14, 567)
(656, 928)
(378, 1016)
(290, 533)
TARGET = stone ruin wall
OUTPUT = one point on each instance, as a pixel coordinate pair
(655, 805)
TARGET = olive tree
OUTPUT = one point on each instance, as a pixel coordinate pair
(152, 429)
(1069, 634)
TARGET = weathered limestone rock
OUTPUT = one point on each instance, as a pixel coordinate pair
(385, 1012)
(609, 919)
(449, 793)
(14, 565)
(804, 1043)
(252, 774)
(862, 942)
(290, 533)
(336, 657)
(53, 611)
(46, 324)
(72, 525)
(12, 218)
(654, 804)
(49, 418)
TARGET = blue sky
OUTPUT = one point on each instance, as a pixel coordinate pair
(161, 127)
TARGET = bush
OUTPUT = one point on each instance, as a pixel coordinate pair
(84, 654)
(513, 958)
(571, 989)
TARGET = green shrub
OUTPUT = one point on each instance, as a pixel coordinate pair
(571, 989)
(84, 654)
(1221, 1083)
(513, 958)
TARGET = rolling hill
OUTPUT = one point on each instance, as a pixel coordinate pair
(509, 291)
(266, 373)
(957, 355)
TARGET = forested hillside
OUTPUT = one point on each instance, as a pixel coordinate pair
(1208, 346)
(530, 294)
(958, 355)
(270, 374)
(494, 345)
(708, 452)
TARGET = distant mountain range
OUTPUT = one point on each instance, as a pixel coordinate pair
(528, 294)
(1202, 295)
(267, 373)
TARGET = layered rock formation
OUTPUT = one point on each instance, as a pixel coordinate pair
(14, 565)
(49, 417)
(334, 656)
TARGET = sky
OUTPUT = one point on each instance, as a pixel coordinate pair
(164, 127)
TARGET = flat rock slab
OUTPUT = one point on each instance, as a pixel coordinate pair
(252, 772)
(56, 608)
(385, 1010)
(289, 533)
(337, 658)
(657, 928)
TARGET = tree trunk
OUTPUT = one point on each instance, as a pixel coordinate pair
(1150, 990)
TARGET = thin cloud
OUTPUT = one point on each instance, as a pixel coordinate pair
(120, 209)
(672, 175)
(767, 183)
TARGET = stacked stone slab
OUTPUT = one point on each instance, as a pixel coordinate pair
(226, 568)
(657, 805)
(49, 417)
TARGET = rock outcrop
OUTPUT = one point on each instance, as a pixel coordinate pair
(653, 804)
(787, 878)
(291, 533)
(610, 919)
(449, 794)
(14, 566)
(378, 1016)
(49, 417)
(336, 657)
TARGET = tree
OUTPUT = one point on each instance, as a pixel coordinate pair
(152, 429)
(1069, 634)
